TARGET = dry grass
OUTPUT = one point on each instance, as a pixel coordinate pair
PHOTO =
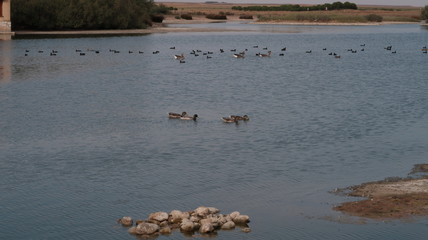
(389, 13)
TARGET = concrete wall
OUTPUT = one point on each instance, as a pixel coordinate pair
(5, 23)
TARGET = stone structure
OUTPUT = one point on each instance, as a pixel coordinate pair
(5, 23)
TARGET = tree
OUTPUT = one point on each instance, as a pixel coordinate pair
(424, 13)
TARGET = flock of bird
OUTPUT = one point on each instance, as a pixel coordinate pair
(230, 119)
(181, 58)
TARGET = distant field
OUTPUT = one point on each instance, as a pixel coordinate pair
(388, 13)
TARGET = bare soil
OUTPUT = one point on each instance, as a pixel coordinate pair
(391, 198)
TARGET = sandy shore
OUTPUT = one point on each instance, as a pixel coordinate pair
(390, 198)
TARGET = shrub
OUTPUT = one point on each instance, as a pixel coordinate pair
(216, 16)
(424, 13)
(157, 18)
(186, 16)
(246, 17)
(374, 18)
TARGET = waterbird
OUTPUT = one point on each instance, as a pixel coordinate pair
(238, 55)
(176, 115)
(310, 51)
(179, 57)
(265, 55)
(189, 117)
(229, 120)
(284, 49)
(172, 48)
(240, 118)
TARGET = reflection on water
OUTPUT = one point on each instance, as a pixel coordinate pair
(5, 61)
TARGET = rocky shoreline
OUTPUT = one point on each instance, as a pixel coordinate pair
(202, 220)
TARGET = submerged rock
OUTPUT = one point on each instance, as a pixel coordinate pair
(159, 216)
(228, 225)
(206, 228)
(126, 221)
(187, 226)
(241, 219)
(147, 228)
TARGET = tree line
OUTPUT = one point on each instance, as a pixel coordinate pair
(296, 7)
(83, 14)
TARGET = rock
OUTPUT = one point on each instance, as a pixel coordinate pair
(234, 214)
(206, 228)
(138, 222)
(187, 226)
(126, 221)
(147, 228)
(246, 230)
(202, 211)
(163, 224)
(228, 225)
(213, 210)
(241, 219)
(159, 216)
(132, 230)
(195, 219)
(175, 216)
(205, 221)
(165, 230)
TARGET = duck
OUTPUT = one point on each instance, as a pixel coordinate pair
(239, 55)
(240, 118)
(179, 57)
(229, 119)
(265, 55)
(187, 117)
(176, 115)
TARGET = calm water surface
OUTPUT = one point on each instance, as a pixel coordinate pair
(85, 140)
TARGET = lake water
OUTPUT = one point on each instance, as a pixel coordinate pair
(85, 140)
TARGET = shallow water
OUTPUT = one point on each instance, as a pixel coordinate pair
(85, 140)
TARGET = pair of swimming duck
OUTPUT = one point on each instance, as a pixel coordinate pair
(230, 119)
(182, 116)
(235, 118)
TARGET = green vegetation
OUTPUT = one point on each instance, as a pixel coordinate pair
(83, 14)
(246, 16)
(186, 16)
(296, 7)
(374, 18)
(216, 16)
(424, 13)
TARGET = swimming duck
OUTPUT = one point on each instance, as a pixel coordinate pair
(265, 55)
(239, 55)
(187, 117)
(179, 57)
(229, 119)
(240, 118)
(176, 115)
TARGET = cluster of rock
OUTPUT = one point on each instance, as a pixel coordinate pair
(205, 220)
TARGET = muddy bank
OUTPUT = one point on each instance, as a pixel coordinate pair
(392, 198)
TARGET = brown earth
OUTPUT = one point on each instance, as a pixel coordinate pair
(391, 198)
